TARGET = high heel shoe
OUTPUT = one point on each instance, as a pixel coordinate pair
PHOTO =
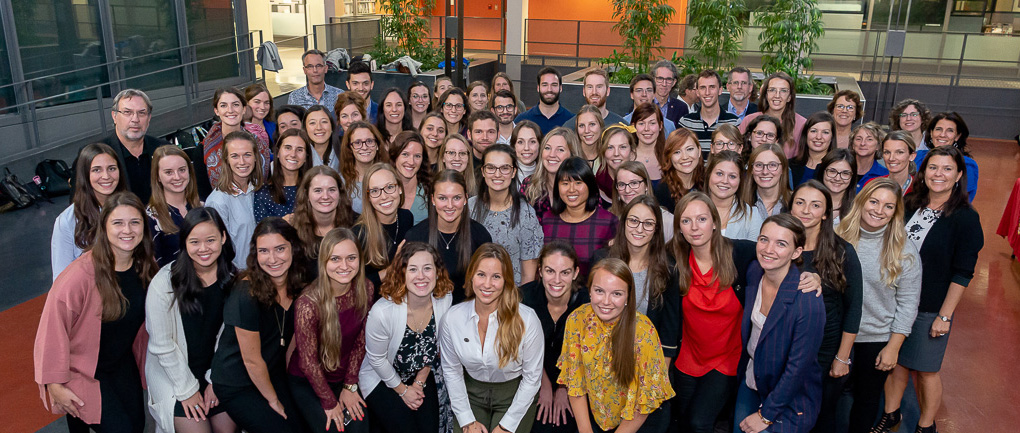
(889, 422)
(929, 429)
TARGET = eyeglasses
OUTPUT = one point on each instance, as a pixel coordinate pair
(419, 97)
(914, 114)
(664, 80)
(508, 107)
(452, 106)
(318, 66)
(740, 83)
(505, 170)
(129, 114)
(633, 223)
(836, 174)
(761, 166)
(634, 184)
(725, 145)
(766, 135)
(363, 144)
(456, 155)
(388, 189)
(846, 107)
(774, 90)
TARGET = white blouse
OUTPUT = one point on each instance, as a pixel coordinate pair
(238, 213)
(460, 350)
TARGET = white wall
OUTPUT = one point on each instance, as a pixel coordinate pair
(259, 19)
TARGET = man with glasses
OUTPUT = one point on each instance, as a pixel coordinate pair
(703, 122)
(741, 88)
(666, 74)
(642, 91)
(504, 106)
(132, 110)
(596, 92)
(548, 114)
(316, 91)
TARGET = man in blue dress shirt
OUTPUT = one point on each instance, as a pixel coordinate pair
(548, 114)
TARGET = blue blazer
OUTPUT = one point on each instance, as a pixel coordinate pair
(675, 109)
(786, 370)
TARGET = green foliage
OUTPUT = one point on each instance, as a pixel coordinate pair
(719, 30)
(641, 25)
(688, 64)
(812, 86)
(618, 67)
(791, 28)
(408, 24)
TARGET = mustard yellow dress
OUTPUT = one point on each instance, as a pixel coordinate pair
(586, 362)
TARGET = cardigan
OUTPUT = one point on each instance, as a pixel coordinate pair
(67, 341)
(786, 370)
(62, 247)
(166, 367)
(384, 332)
(948, 254)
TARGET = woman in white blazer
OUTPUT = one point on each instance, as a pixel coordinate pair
(184, 316)
(401, 345)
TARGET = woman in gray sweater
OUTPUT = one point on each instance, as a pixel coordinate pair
(891, 269)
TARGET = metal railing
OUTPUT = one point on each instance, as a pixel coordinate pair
(188, 62)
(354, 35)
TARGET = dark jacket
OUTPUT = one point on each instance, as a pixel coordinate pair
(948, 255)
(533, 295)
(786, 370)
(675, 109)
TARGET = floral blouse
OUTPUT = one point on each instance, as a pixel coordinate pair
(587, 369)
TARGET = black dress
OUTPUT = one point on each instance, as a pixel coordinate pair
(201, 327)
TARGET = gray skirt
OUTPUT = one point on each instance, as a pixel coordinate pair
(921, 351)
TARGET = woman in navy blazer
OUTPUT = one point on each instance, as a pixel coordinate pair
(780, 380)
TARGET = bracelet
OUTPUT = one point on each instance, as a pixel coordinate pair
(846, 362)
(405, 391)
(763, 419)
(420, 383)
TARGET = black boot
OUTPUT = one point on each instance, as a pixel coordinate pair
(889, 422)
(929, 429)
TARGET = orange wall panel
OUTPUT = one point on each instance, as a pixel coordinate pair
(588, 10)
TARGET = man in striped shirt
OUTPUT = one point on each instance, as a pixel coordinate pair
(703, 122)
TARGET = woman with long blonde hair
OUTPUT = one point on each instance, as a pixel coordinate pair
(329, 338)
(509, 372)
(558, 145)
(384, 222)
(891, 270)
(174, 193)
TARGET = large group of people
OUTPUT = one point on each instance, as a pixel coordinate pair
(446, 261)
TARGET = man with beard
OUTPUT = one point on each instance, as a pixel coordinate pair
(703, 122)
(665, 80)
(596, 92)
(741, 89)
(316, 91)
(483, 127)
(359, 80)
(642, 91)
(548, 114)
(504, 106)
(132, 110)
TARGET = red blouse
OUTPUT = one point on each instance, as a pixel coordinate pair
(711, 327)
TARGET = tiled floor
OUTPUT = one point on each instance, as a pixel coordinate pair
(980, 370)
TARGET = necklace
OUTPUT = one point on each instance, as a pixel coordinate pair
(424, 321)
(282, 324)
(448, 242)
(396, 228)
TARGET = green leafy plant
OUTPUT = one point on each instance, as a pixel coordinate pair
(408, 24)
(719, 30)
(641, 25)
(687, 64)
(812, 86)
(791, 28)
(618, 67)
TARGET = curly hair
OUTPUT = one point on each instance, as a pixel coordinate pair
(394, 287)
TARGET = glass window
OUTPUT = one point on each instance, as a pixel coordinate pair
(6, 92)
(60, 36)
(211, 28)
(146, 40)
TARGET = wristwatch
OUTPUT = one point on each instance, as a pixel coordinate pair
(945, 318)
(352, 388)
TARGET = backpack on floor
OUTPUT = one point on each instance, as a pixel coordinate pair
(54, 176)
(14, 192)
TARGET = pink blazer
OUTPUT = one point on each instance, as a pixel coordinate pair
(67, 343)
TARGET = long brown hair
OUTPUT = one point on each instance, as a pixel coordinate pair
(749, 189)
(658, 262)
(394, 287)
(670, 174)
(621, 338)
(464, 229)
(115, 304)
(157, 202)
(86, 206)
(644, 111)
(424, 173)
(300, 272)
(321, 294)
(723, 269)
(376, 241)
(713, 161)
(276, 179)
(304, 217)
(348, 165)
(511, 325)
(252, 91)
(641, 171)
(789, 116)
(829, 253)
(469, 171)
(919, 196)
(256, 178)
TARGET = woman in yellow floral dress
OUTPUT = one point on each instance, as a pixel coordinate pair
(612, 362)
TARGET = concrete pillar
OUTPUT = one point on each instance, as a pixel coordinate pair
(515, 14)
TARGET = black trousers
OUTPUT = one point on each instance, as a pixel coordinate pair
(832, 392)
(123, 404)
(700, 400)
(251, 411)
(391, 415)
(867, 383)
(310, 411)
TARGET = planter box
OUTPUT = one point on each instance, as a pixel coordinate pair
(483, 69)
